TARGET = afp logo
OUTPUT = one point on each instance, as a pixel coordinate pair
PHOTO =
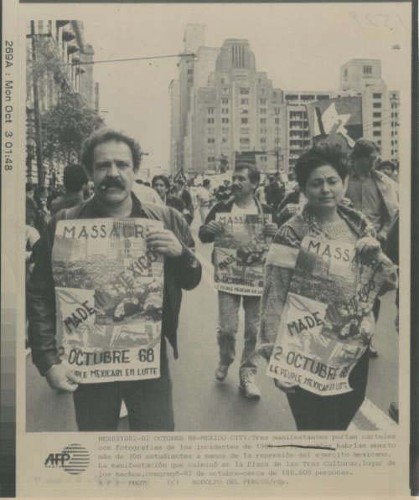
(74, 459)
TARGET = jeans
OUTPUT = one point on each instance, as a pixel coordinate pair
(228, 322)
(149, 403)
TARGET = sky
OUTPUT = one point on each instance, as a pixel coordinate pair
(299, 46)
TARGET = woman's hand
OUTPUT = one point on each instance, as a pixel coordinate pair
(270, 229)
(367, 249)
(214, 227)
(287, 387)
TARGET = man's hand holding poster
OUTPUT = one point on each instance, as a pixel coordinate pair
(109, 290)
(327, 320)
(240, 253)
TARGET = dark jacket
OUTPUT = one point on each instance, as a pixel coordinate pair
(183, 272)
(186, 197)
(66, 200)
(274, 194)
(225, 207)
(175, 202)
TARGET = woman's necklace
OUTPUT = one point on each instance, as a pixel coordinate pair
(337, 230)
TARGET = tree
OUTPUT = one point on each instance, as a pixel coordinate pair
(66, 126)
(59, 131)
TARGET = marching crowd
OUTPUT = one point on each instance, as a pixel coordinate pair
(332, 196)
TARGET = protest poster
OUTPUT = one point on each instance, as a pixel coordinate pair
(327, 322)
(240, 253)
(109, 296)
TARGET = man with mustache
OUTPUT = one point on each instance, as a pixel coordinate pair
(243, 201)
(111, 160)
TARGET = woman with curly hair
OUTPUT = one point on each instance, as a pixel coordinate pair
(322, 177)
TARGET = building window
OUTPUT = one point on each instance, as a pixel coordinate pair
(224, 140)
(225, 130)
(367, 70)
(376, 96)
(263, 140)
(277, 111)
(211, 159)
(244, 101)
(262, 101)
(376, 105)
(376, 133)
(244, 130)
(225, 120)
(224, 111)
(263, 130)
(224, 100)
(244, 91)
(211, 111)
(211, 120)
(297, 114)
(276, 121)
(190, 71)
(244, 140)
(376, 115)
(262, 111)
(244, 111)
(345, 73)
(262, 121)
(376, 124)
(244, 120)
(211, 140)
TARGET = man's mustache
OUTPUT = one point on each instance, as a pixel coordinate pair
(115, 182)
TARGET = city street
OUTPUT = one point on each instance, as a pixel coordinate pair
(202, 404)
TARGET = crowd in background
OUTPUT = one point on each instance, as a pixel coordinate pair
(193, 197)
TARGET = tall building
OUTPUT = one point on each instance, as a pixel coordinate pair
(55, 52)
(298, 137)
(193, 72)
(231, 109)
(380, 106)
